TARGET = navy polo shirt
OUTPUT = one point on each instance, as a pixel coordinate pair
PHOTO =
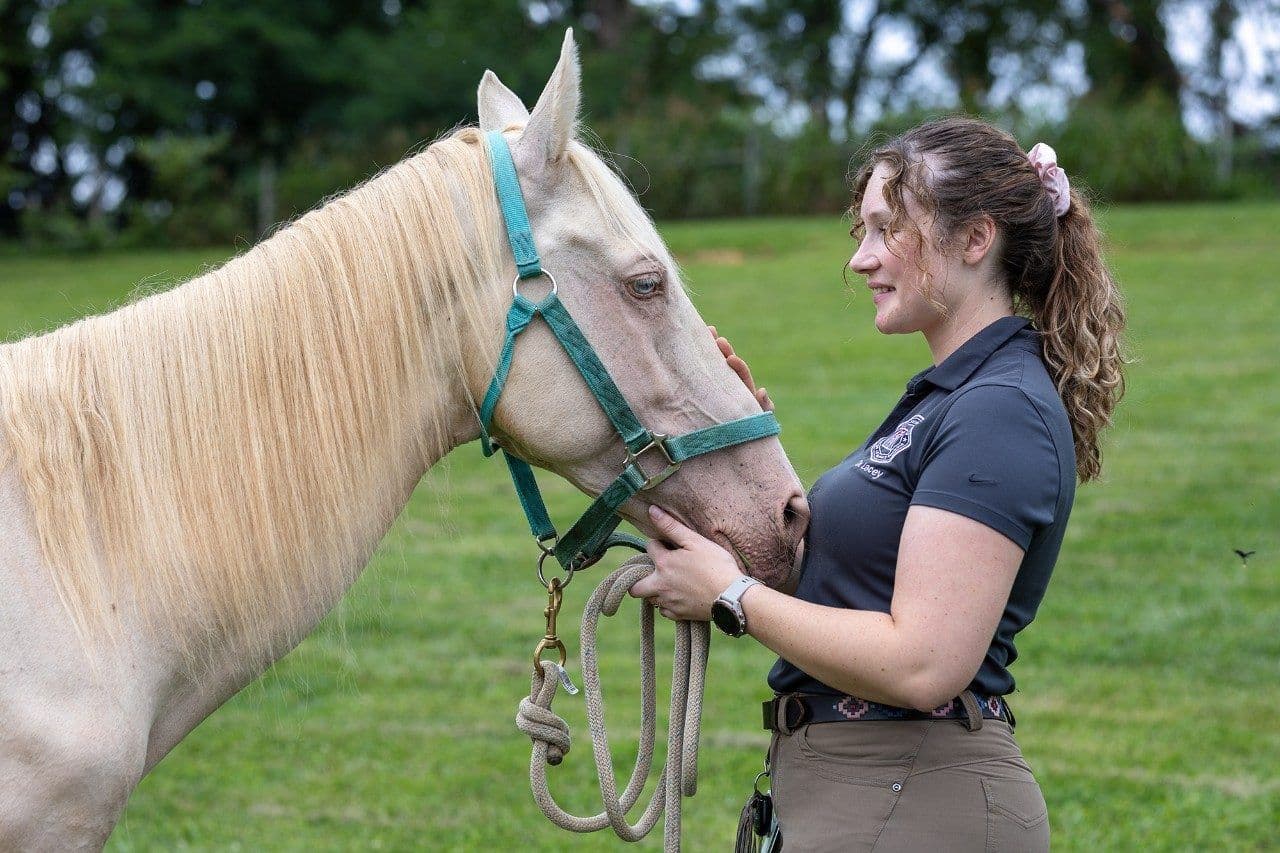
(983, 434)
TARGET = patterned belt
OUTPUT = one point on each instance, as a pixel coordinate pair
(790, 711)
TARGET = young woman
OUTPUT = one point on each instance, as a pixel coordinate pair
(931, 545)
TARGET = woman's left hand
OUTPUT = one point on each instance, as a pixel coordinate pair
(691, 570)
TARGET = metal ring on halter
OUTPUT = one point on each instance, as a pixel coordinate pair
(542, 558)
(764, 774)
(515, 285)
(553, 538)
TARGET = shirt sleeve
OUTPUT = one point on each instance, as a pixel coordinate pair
(992, 459)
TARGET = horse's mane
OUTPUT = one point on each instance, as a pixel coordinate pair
(218, 454)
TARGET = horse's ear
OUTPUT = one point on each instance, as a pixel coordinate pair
(499, 107)
(555, 117)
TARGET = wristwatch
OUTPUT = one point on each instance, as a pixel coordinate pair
(726, 611)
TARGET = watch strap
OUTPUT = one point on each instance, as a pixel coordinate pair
(733, 592)
(730, 603)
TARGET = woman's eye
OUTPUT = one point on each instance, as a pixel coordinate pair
(644, 286)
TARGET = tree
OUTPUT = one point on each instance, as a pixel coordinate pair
(265, 73)
(28, 115)
(821, 53)
(793, 48)
(1220, 68)
(1126, 49)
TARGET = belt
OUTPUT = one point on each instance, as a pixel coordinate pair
(790, 711)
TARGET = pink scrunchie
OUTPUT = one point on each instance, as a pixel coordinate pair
(1054, 180)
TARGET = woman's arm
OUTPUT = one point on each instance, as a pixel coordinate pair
(953, 579)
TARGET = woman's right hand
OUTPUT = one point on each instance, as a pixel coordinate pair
(738, 366)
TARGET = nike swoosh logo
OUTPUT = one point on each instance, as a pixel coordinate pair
(982, 481)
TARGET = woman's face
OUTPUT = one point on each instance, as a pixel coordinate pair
(892, 263)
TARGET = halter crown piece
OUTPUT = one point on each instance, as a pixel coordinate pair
(1052, 178)
(593, 533)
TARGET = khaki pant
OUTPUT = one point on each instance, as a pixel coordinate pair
(905, 785)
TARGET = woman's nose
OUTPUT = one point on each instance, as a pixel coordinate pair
(863, 261)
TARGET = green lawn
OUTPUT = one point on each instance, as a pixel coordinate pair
(1149, 686)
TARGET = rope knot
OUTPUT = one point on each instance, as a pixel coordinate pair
(536, 719)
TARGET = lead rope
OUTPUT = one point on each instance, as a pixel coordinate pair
(550, 733)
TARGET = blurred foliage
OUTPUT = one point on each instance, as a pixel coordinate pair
(1256, 174)
(695, 164)
(189, 198)
(66, 229)
(1141, 153)
(214, 121)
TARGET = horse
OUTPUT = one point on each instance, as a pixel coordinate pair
(189, 483)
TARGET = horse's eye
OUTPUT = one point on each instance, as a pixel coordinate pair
(645, 286)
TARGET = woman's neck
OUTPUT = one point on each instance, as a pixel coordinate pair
(965, 321)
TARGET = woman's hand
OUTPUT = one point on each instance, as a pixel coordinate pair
(738, 366)
(691, 571)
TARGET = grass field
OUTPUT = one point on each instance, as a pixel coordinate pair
(1148, 688)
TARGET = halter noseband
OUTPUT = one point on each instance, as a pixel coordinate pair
(594, 532)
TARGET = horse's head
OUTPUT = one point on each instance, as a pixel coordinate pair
(619, 282)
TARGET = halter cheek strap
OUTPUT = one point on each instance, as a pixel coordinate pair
(593, 533)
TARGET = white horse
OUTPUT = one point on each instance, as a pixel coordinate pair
(190, 483)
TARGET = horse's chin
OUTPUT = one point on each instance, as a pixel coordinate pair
(773, 566)
(770, 560)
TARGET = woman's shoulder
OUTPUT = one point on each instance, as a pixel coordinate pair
(998, 455)
(1014, 402)
(1016, 377)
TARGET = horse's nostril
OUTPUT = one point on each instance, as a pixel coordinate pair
(795, 515)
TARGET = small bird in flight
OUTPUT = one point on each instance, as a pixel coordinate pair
(1244, 555)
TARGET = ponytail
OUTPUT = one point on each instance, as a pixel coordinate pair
(1080, 316)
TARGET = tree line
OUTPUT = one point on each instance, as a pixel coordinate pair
(197, 121)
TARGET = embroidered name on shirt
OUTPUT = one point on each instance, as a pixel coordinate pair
(870, 470)
(899, 440)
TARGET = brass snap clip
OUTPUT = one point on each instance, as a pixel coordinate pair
(555, 596)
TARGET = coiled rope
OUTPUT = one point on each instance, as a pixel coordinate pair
(550, 733)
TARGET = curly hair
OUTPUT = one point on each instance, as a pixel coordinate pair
(959, 169)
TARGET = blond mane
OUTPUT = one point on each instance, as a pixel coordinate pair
(221, 453)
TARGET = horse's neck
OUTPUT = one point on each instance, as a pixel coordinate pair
(182, 697)
(445, 412)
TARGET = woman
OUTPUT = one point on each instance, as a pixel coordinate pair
(931, 545)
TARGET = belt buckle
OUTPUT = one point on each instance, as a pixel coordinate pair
(786, 713)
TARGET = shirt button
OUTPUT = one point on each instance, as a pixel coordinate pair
(897, 786)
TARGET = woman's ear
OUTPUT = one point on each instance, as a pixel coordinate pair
(977, 239)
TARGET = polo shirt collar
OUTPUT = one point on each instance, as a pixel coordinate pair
(956, 368)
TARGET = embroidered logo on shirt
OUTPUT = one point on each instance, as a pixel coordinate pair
(899, 440)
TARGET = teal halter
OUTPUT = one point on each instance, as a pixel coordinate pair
(593, 533)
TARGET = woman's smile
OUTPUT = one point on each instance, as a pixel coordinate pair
(880, 292)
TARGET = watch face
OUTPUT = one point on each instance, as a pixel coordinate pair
(725, 619)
